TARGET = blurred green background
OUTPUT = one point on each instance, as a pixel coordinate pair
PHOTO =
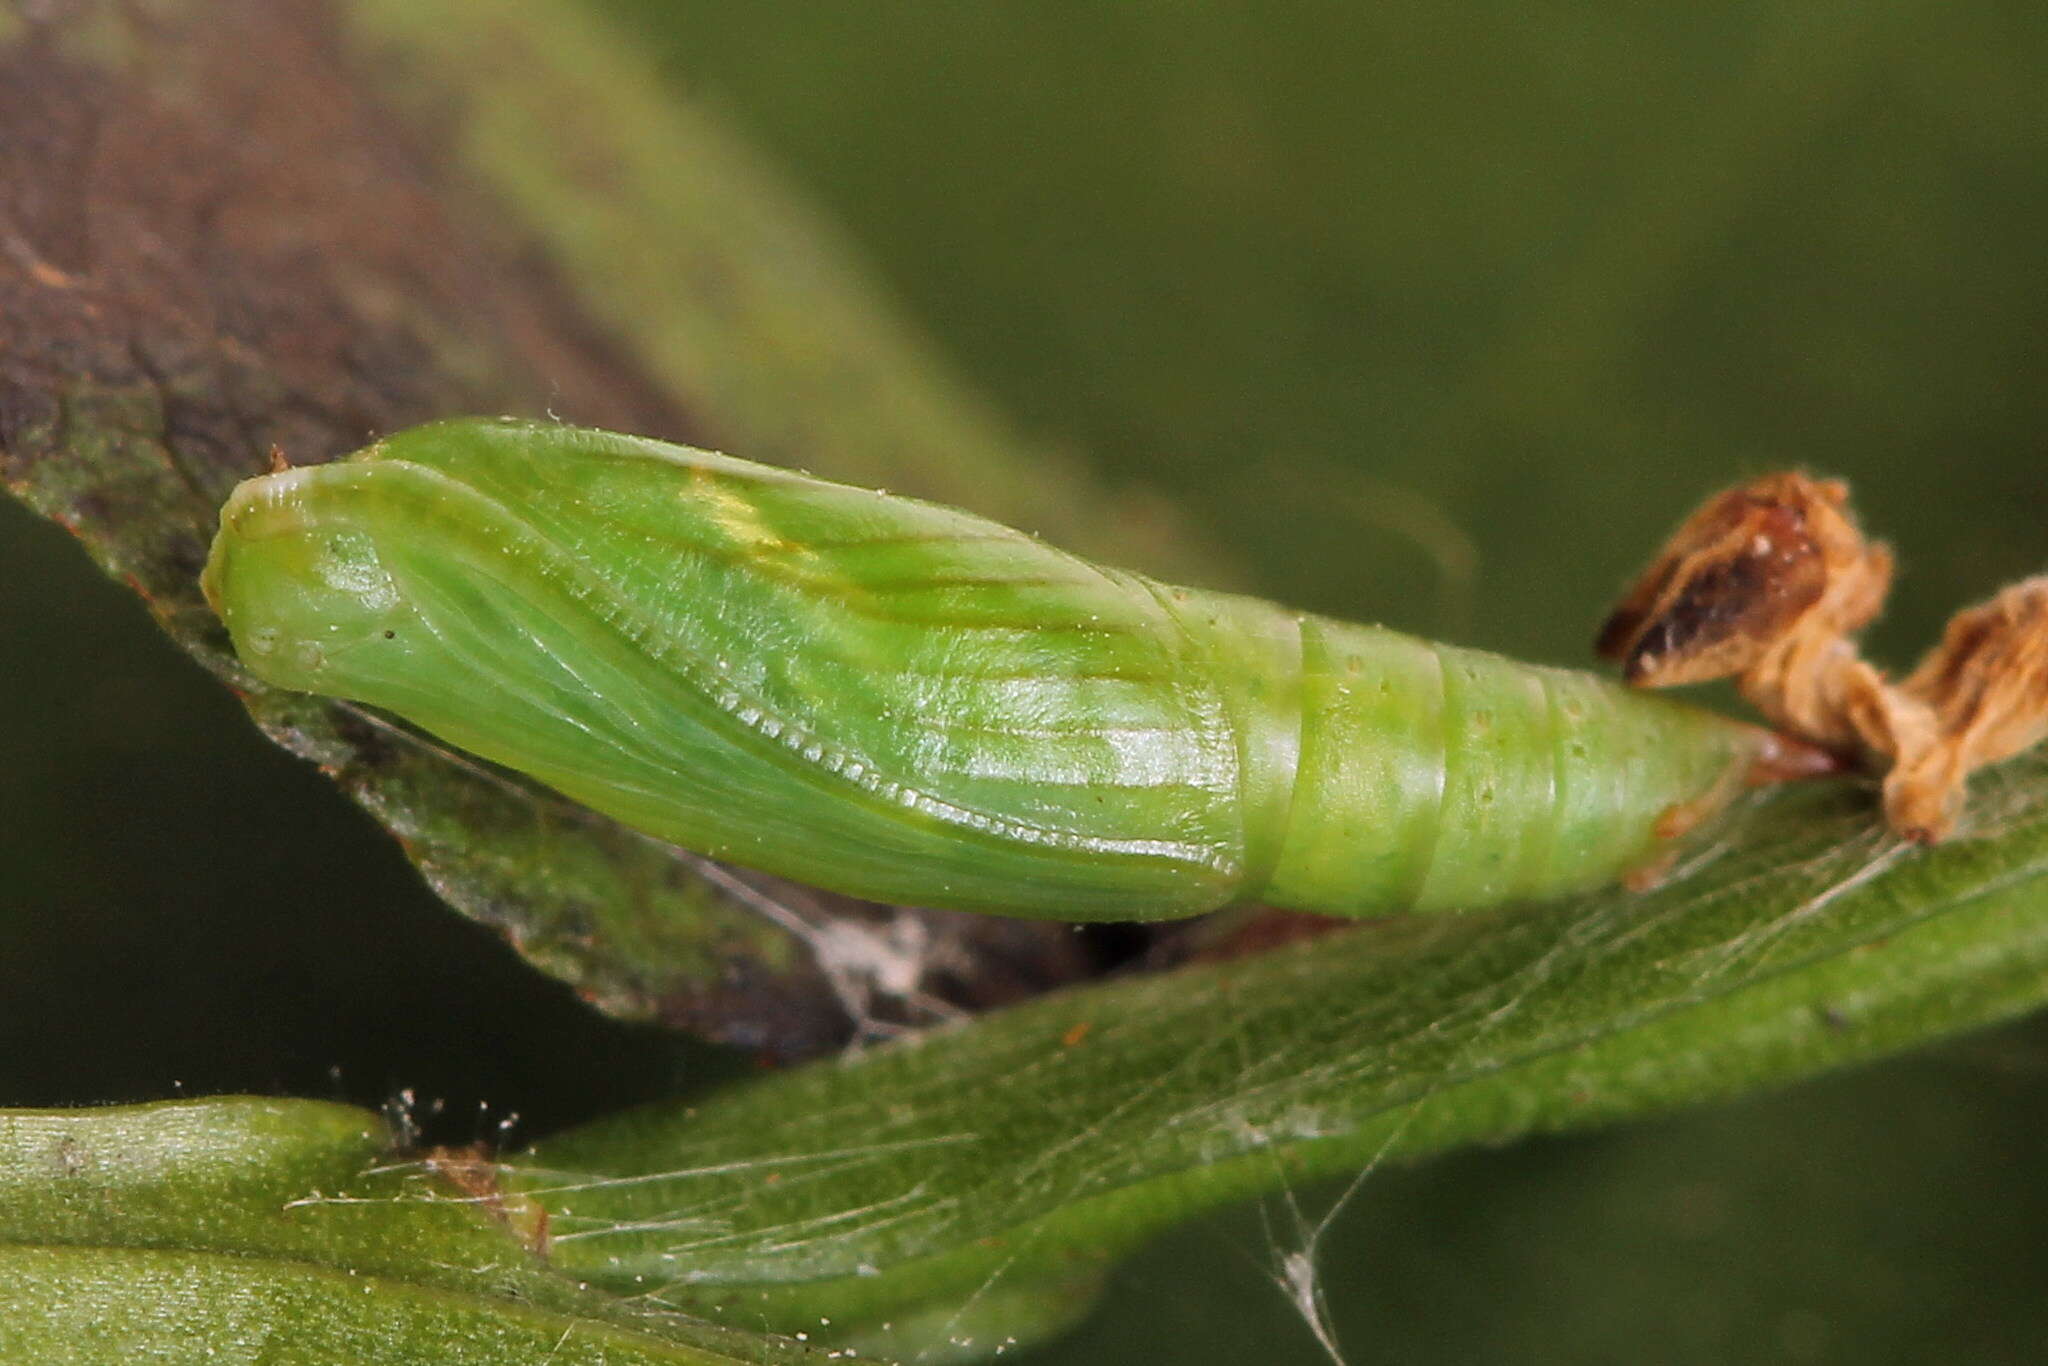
(1433, 317)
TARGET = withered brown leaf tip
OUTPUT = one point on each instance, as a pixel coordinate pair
(1769, 583)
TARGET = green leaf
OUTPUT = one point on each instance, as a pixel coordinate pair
(1043, 1141)
(282, 1231)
